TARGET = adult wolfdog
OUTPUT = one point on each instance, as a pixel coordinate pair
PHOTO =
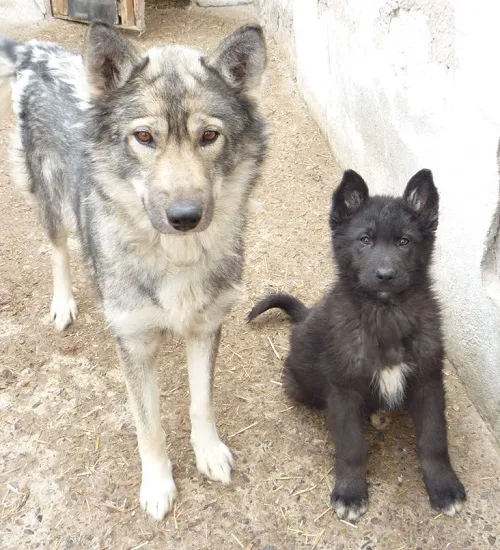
(152, 157)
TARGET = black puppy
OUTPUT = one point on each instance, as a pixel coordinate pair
(374, 341)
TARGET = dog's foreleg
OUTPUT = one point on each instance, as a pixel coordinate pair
(63, 310)
(138, 354)
(426, 407)
(213, 458)
(345, 415)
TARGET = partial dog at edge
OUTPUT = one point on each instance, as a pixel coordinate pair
(374, 341)
(152, 157)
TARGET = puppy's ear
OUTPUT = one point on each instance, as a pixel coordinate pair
(109, 58)
(348, 198)
(423, 199)
(241, 58)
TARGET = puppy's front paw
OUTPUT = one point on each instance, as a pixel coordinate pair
(348, 506)
(63, 311)
(214, 460)
(447, 495)
(158, 493)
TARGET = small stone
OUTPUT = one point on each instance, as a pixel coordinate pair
(69, 544)
(456, 408)
(492, 540)
(29, 532)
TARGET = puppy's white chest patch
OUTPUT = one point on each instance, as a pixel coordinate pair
(392, 384)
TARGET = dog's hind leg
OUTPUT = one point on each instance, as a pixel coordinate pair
(42, 181)
(213, 458)
(139, 353)
(63, 310)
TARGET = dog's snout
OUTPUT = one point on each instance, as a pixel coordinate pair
(185, 216)
(385, 274)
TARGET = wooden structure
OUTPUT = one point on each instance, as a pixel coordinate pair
(128, 14)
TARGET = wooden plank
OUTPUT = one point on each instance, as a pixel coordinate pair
(131, 13)
(127, 13)
(140, 22)
(59, 7)
(74, 19)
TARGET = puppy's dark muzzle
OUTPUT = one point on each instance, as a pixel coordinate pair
(184, 217)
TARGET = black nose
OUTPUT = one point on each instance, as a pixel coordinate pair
(385, 274)
(184, 217)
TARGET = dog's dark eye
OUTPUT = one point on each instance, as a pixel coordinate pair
(403, 241)
(365, 239)
(144, 137)
(209, 137)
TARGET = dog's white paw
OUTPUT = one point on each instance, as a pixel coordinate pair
(214, 460)
(63, 311)
(453, 508)
(348, 506)
(158, 494)
(349, 512)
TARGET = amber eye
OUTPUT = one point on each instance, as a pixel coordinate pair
(209, 137)
(403, 241)
(144, 137)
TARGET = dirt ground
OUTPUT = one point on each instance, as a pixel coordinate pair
(69, 467)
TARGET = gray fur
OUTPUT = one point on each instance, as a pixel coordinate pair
(78, 151)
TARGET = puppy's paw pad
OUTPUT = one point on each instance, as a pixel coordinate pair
(214, 461)
(158, 496)
(63, 312)
(380, 420)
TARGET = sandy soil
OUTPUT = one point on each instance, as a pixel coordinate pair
(69, 467)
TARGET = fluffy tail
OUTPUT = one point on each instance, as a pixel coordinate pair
(8, 68)
(294, 307)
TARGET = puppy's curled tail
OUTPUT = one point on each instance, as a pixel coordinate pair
(289, 304)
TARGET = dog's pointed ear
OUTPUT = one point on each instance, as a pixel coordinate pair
(241, 58)
(348, 198)
(423, 198)
(109, 58)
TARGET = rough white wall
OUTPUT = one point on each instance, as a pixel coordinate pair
(21, 12)
(398, 85)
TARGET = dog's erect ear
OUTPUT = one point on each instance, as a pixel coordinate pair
(109, 59)
(241, 58)
(423, 199)
(348, 198)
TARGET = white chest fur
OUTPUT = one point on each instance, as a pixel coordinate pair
(186, 307)
(392, 384)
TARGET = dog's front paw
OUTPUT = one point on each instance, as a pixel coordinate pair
(214, 460)
(158, 494)
(63, 311)
(447, 495)
(348, 506)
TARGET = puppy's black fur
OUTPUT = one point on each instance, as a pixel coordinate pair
(374, 341)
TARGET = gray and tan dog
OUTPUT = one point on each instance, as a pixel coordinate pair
(152, 158)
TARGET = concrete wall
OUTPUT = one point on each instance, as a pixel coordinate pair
(21, 12)
(398, 85)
